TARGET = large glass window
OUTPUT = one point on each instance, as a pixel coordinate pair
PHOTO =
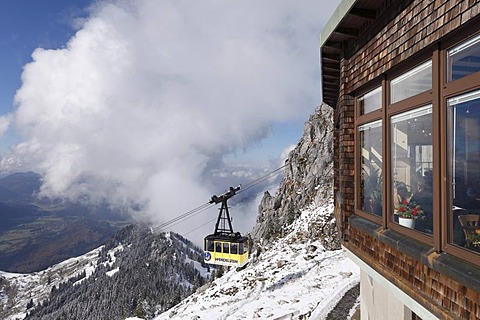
(411, 83)
(371, 101)
(463, 136)
(370, 137)
(412, 168)
(463, 59)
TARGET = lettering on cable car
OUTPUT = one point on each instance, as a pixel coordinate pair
(226, 260)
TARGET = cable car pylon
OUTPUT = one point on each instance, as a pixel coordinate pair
(224, 215)
(224, 246)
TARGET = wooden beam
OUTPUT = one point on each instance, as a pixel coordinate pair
(331, 57)
(330, 73)
(351, 32)
(364, 13)
(331, 66)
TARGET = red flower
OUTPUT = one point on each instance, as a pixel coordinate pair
(405, 202)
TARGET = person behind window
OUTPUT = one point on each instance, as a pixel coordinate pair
(401, 194)
(424, 198)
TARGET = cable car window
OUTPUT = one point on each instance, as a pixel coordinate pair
(240, 248)
(218, 247)
(234, 248)
(226, 248)
(210, 245)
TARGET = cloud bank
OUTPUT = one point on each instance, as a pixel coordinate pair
(148, 96)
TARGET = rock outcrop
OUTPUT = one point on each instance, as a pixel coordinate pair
(307, 183)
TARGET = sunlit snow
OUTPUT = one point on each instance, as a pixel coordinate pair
(295, 276)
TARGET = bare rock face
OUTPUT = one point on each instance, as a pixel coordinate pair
(307, 183)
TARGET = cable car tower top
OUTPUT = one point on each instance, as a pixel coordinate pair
(224, 222)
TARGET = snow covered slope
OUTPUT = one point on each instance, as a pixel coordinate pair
(291, 278)
(17, 290)
(135, 272)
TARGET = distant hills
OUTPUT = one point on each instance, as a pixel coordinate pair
(36, 233)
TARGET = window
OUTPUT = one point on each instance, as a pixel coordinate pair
(412, 83)
(464, 59)
(226, 248)
(412, 168)
(463, 139)
(234, 248)
(209, 245)
(423, 145)
(218, 247)
(370, 137)
(241, 248)
(371, 101)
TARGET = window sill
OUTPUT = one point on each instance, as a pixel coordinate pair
(459, 270)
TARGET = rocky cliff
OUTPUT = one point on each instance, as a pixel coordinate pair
(307, 183)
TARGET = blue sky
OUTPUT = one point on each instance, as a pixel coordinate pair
(132, 100)
(24, 26)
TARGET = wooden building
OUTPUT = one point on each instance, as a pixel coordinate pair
(404, 79)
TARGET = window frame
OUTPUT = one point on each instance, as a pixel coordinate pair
(450, 89)
(362, 119)
(441, 91)
(405, 105)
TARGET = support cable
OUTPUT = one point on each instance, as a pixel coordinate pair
(207, 205)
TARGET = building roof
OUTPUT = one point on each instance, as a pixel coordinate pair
(351, 26)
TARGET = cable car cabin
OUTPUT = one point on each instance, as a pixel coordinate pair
(226, 250)
(225, 247)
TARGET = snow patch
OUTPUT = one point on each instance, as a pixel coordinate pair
(294, 277)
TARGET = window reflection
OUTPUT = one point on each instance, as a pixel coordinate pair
(371, 101)
(463, 149)
(463, 59)
(371, 164)
(412, 83)
(412, 164)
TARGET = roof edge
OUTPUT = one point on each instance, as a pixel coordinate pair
(337, 16)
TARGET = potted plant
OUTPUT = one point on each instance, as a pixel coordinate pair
(408, 213)
(474, 237)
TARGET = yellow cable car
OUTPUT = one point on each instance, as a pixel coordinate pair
(225, 247)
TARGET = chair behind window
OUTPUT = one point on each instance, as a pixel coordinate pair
(467, 221)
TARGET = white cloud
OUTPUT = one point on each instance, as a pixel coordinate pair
(4, 123)
(148, 95)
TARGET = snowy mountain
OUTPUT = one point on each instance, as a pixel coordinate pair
(296, 269)
(293, 277)
(137, 272)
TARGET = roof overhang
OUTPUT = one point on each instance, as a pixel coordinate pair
(352, 25)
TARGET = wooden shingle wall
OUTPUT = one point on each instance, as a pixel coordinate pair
(344, 146)
(448, 298)
(421, 24)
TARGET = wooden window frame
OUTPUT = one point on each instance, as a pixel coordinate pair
(361, 119)
(411, 103)
(449, 90)
(438, 96)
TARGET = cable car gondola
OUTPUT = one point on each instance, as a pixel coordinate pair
(225, 247)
